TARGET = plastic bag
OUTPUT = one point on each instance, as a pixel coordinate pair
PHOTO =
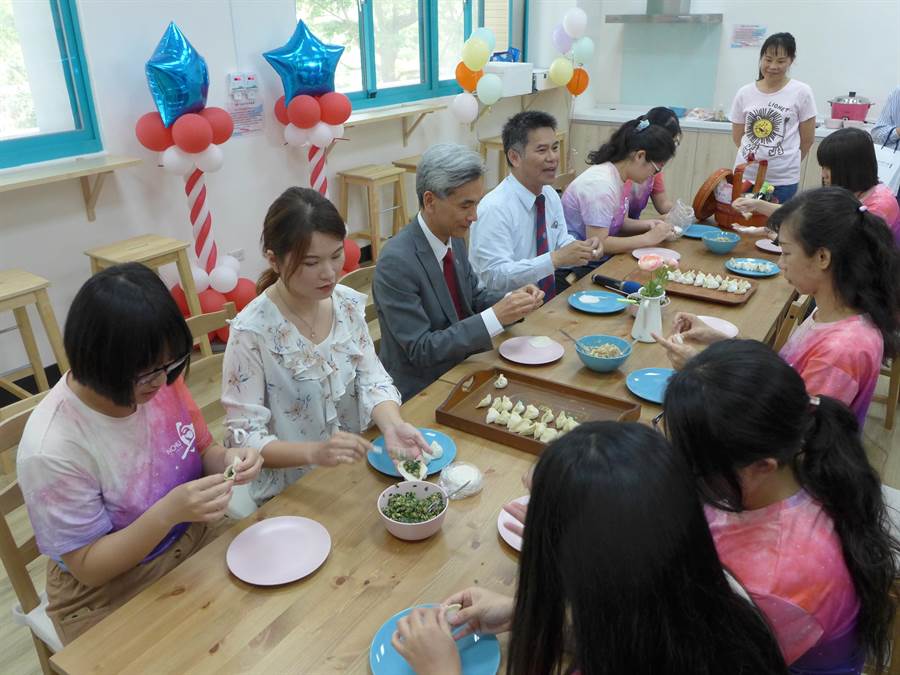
(462, 478)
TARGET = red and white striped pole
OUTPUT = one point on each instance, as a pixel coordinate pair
(317, 179)
(201, 220)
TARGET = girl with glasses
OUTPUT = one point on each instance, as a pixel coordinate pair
(119, 471)
(654, 187)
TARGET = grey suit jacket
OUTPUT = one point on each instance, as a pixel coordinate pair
(421, 336)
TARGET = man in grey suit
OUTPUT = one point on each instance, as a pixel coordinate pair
(432, 309)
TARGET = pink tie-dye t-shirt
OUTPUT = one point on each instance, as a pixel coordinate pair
(840, 359)
(597, 198)
(788, 557)
(883, 203)
(85, 474)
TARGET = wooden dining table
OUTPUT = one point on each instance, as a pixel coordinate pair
(201, 619)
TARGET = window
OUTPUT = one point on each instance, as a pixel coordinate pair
(395, 50)
(46, 111)
(508, 19)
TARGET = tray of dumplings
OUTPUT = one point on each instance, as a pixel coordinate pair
(526, 412)
(700, 285)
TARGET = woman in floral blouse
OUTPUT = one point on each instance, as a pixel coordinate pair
(301, 378)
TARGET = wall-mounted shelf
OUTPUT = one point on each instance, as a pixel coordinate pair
(410, 116)
(82, 169)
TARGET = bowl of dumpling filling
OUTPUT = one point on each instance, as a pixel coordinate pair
(413, 510)
(603, 353)
(720, 242)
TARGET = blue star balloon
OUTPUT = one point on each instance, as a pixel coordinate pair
(177, 75)
(305, 64)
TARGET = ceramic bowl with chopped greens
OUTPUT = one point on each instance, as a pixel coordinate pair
(413, 510)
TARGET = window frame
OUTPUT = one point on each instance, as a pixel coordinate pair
(86, 140)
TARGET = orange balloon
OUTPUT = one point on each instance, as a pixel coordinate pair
(467, 78)
(579, 82)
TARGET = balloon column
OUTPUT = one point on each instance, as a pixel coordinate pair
(472, 78)
(187, 134)
(576, 49)
(311, 110)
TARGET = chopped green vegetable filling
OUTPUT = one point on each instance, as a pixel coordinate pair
(407, 508)
(412, 466)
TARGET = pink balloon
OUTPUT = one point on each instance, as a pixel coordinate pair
(561, 39)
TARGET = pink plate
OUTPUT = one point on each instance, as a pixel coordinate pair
(278, 550)
(509, 537)
(767, 244)
(667, 253)
(532, 350)
(720, 325)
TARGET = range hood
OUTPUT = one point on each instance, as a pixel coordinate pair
(665, 11)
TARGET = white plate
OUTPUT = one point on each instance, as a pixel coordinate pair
(666, 253)
(532, 350)
(503, 519)
(278, 550)
(720, 325)
(767, 244)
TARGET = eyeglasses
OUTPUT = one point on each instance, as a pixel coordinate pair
(170, 369)
(656, 169)
(656, 421)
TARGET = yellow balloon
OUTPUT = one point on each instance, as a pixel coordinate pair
(475, 53)
(561, 71)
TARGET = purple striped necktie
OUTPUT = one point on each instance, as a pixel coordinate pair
(548, 283)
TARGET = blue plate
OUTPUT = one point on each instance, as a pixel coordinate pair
(697, 230)
(382, 461)
(649, 383)
(480, 653)
(609, 303)
(771, 268)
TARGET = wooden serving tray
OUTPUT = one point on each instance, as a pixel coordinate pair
(459, 410)
(698, 293)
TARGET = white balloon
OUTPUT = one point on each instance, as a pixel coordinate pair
(201, 279)
(223, 279)
(575, 22)
(210, 159)
(320, 135)
(489, 88)
(176, 160)
(583, 50)
(229, 261)
(337, 130)
(464, 107)
(295, 136)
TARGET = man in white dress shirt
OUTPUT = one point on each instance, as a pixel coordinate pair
(521, 235)
(432, 309)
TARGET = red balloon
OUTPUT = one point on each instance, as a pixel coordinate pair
(221, 123)
(304, 112)
(180, 299)
(335, 107)
(192, 133)
(351, 255)
(242, 294)
(152, 133)
(281, 113)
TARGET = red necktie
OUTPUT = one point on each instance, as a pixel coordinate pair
(453, 283)
(548, 283)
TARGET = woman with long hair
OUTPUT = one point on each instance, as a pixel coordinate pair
(654, 188)
(618, 574)
(794, 507)
(301, 378)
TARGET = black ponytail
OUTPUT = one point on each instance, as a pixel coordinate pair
(770, 415)
(834, 469)
(639, 134)
(865, 262)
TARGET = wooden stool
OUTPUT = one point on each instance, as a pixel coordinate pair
(410, 164)
(372, 177)
(153, 251)
(485, 145)
(18, 289)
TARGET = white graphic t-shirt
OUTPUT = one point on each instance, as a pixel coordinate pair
(772, 128)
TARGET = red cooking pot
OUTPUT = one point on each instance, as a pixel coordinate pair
(851, 107)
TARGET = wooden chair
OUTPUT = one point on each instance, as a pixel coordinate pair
(361, 280)
(153, 251)
(31, 609)
(18, 289)
(204, 377)
(892, 370)
(485, 145)
(8, 456)
(795, 314)
(373, 177)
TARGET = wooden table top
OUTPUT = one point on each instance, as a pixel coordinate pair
(201, 619)
(754, 319)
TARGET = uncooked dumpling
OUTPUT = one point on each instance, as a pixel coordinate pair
(561, 419)
(501, 381)
(547, 417)
(518, 408)
(492, 416)
(549, 436)
(412, 469)
(437, 450)
(503, 418)
(485, 402)
(531, 413)
(514, 420)
(507, 404)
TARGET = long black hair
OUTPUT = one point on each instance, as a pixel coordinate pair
(618, 572)
(865, 262)
(665, 118)
(123, 322)
(778, 42)
(770, 415)
(850, 156)
(638, 134)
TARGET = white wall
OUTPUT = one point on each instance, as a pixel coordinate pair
(44, 229)
(840, 46)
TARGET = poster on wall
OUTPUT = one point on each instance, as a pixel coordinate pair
(747, 35)
(244, 104)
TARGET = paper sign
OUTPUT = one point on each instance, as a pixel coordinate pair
(747, 35)
(244, 103)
